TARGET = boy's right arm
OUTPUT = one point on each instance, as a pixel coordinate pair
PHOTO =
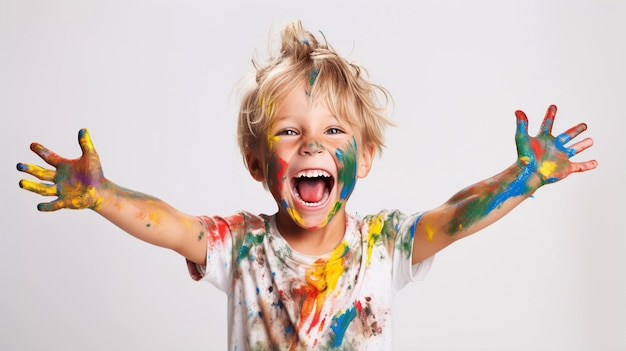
(80, 184)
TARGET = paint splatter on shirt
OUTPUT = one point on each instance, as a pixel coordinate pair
(280, 299)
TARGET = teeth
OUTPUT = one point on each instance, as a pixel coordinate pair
(313, 173)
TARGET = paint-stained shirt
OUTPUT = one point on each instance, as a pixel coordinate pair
(279, 299)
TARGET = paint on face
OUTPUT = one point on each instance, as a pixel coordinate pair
(276, 168)
(347, 169)
(346, 175)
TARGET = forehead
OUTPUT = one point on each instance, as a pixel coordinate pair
(298, 104)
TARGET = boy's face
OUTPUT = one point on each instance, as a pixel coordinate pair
(310, 162)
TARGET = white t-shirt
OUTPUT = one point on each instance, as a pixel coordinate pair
(279, 299)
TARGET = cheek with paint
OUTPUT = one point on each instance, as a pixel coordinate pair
(347, 166)
(275, 169)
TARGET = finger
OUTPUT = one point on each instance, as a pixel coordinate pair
(50, 157)
(521, 137)
(84, 140)
(571, 133)
(39, 188)
(39, 172)
(580, 146)
(548, 120)
(522, 123)
(584, 166)
(50, 206)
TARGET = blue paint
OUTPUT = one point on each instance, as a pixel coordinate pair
(415, 225)
(347, 169)
(516, 188)
(339, 325)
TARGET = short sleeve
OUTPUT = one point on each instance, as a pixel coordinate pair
(218, 268)
(404, 271)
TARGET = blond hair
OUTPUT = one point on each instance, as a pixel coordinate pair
(342, 85)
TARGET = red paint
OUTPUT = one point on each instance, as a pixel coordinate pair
(536, 146)
(216, 230)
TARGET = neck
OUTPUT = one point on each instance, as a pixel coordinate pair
(313, 242)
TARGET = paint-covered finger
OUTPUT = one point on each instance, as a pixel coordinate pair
(39, 188)
(39, 172)
(522, 123)
(581, 146)
(524, 151)
(572, 133)
(50, 206)
(84, 140)
(584, 166)
(548, 120)
(50, 157)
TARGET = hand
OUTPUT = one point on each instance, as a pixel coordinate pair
(74, 181)
(546, 155)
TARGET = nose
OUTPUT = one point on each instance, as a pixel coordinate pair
(311, 147)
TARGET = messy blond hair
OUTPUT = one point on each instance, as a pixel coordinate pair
(342, 85)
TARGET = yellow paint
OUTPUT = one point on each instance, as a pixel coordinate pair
(525, 159)
(375, 225)
(429, 231)
(86, 141)
(269, 106)
(325, 276)
(41, 173)
(186, 222)
(154, 216)
(39, 188)
(321, 279)
(271, 140)
(547, 168)
(295, 215)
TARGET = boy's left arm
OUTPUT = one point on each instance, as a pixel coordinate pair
(541, 160)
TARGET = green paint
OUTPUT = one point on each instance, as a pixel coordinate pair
(347, 169)
(250, 240)
(314, 74)
(334, 210)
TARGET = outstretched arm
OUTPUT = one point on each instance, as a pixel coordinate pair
(80, 184)
(541, 160)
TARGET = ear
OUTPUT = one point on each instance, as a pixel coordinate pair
(365, 161)
(255, 166)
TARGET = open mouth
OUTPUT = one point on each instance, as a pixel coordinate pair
(312, 187)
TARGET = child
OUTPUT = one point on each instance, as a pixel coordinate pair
(310, 276)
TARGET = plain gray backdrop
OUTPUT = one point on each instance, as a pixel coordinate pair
(154, 81)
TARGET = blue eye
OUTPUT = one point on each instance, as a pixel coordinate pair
(334, 131)
(287, 132)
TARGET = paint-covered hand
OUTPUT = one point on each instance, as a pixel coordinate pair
(74, 182)
(546, 155)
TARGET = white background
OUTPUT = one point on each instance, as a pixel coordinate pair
(154, 82)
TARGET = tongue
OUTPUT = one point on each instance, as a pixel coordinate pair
(311, 190)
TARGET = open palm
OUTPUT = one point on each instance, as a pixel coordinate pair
(546, 155)
(75, 181)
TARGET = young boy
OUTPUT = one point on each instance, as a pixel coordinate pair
(310, 276)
